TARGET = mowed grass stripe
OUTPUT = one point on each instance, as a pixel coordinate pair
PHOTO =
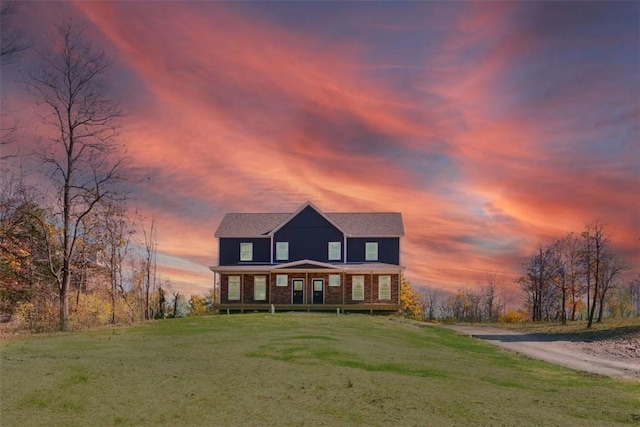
(294, 369)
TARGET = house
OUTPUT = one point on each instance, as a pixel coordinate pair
(310, 260)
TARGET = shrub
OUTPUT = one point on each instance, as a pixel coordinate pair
(513, 316)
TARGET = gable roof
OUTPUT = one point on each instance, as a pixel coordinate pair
(249, 224)
(353, 224)
(300, 209)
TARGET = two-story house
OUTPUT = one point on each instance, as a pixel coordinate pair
(310, 260)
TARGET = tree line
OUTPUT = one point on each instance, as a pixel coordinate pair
(485, 302)
(579, 275)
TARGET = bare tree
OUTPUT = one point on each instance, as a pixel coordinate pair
(595, 245)
(570, 257)
(491, 296)
(12, 42)
(430, 298)
(634, 294)
(149, 266)
(538, 282)
(115, 239)
(83, 150)
(611, 272)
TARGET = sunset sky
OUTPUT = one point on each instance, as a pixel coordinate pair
(492, 127)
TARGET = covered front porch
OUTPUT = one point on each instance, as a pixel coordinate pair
(371, 308)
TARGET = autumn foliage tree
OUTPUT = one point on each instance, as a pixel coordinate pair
(411, 306)
(23, 272)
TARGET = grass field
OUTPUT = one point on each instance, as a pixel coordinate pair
(294, 369)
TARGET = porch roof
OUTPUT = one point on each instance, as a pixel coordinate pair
(310, 266)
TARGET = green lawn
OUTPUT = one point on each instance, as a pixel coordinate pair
(294, 369)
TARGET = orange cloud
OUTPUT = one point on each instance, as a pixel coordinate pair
(478, 155)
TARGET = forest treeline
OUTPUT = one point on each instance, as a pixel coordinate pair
(576, 277)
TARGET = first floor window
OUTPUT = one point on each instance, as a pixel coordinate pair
(334, 280)
(371, 251)
(384, 287)
(357, 288)
(334, 251)
(282, 251)
(234, 288)
(246, 251)
(281, 280)
(259, 288)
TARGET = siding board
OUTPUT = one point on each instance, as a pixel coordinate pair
(308, 234)
(230, 250)
(388, 249)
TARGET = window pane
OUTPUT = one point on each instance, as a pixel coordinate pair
(259, 288)
(357, 288)
(371, 249)
(282, 251)
(384, 287)
(334, 280)
(246, 251)
(334, 251)
(281, 280)
(234, 288)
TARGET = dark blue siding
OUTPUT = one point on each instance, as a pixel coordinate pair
(230, 251)
(309, 234)
(388, 249)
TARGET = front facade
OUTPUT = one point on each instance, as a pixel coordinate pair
(310, 260)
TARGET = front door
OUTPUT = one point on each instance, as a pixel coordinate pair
(318, 286)
(298, 291)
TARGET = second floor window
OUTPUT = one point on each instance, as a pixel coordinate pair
(246, 251)
(371, 251)
(282, 251)
(334, 251)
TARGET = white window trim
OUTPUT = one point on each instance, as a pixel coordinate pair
(386, 282)
(282, 276)
(263, 294)
(337, 255)
(354, 296)
(243, 253)
(235, 284)
(334, 276)
(282, 247)
(367, 252)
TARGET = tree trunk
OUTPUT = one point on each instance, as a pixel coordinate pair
(564, 305)
(600, 310)
(593, 306)
(64, 300)
(113, 285)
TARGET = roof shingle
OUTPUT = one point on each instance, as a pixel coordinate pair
(354, 224)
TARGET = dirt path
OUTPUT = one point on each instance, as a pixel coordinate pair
(617, 358)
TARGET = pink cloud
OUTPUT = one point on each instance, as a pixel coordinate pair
(241, 110)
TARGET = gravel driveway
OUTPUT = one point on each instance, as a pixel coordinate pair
(619, 358)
